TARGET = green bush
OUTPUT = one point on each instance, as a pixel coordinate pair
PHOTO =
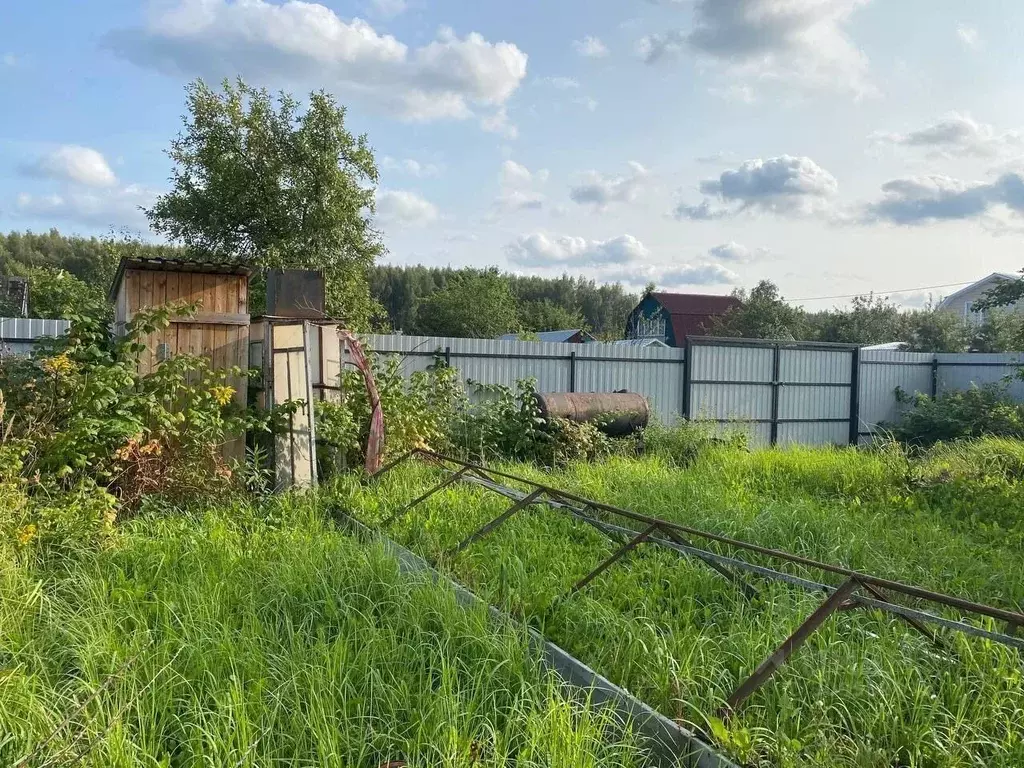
(684, 443)
(978, 411)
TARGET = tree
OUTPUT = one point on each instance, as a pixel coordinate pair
(259, 181)
(1003, 294)
(473, 306)
(1001, 331)
(546, 315)
(870, 320)
(764, 314)
(934, 331)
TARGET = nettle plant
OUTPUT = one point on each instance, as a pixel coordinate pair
(82, 412)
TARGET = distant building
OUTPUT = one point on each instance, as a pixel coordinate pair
(642, 343)
(963, 301)
(671, 317)
(568, 336)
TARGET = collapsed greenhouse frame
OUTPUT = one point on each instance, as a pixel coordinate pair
(857, 590)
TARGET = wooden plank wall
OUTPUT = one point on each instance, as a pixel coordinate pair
(225, 344)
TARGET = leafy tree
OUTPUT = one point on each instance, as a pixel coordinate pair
(1001, 331)
(258, 180)
(764, 314)
(934, 331)
(1003, 294)
(474, 305)
(546, 315)
(870, 320)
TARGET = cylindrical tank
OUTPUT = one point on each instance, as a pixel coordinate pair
(615, 413)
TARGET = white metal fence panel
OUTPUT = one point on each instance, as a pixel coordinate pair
(814, 395)
(881, 373)
(960, 372)
(655, 373)
(19, 335)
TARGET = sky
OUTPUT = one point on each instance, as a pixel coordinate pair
(835, 147)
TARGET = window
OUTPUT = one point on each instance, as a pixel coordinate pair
(650, 327)
(977, 318)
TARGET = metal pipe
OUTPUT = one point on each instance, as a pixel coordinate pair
(888, 584)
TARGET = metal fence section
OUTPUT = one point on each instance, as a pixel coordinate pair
(19, 335)
(778, 392)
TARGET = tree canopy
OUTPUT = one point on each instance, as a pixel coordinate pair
(260, 180)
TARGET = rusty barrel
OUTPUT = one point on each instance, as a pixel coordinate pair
(616, 413)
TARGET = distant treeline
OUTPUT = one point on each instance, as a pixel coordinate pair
(484, 303)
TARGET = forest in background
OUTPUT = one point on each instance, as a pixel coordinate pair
(484, 303)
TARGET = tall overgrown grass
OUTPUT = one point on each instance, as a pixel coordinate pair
(259, 636)
(866, 690)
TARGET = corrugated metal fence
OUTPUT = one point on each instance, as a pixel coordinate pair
(779, 392)
(18, 335)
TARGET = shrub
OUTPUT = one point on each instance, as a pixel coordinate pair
(978, 411)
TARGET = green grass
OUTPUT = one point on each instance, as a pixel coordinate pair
(239, 637)
(865, 691)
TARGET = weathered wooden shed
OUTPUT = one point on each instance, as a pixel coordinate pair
(219, 331)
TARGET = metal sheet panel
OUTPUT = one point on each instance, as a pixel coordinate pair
(881, 372)
(733, 402)
(818, 366)
(30, 328)
(656, 373)
(731, 363)
(810, 402)
(960, 372)
(814, 433)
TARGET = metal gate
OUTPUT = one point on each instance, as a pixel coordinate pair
(780, 392)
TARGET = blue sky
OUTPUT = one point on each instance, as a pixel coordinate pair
(832, 146)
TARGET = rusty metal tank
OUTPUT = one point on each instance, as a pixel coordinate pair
(615, 413)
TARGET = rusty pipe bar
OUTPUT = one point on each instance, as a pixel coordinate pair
(895, 586)
(614, 558)
(499, 520)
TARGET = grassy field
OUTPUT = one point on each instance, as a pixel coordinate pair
(240, 637)
(865, 691)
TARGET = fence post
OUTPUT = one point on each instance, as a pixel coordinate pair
(448, 357)
(572, 371)
(855, 397)
(776, 367)
(687, 375)
(935, 377)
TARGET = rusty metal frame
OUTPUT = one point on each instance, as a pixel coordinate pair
(674, 536)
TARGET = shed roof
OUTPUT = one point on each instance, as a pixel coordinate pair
(995, 277)
(177, 265)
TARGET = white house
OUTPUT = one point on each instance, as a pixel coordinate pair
(962, 302)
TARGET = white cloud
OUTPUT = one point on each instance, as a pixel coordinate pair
(968, 35)
(75, 164)
(601, 190)
(306, 44)
(590, 47)
(673, 276)
(928, 199)
(401, 208)
(588, 103)
(956, 135)
(561, 83)
(390, 8)
(543, 250)
(734, 253)
(737, 93)
(498, 122)
(784, 185)
(410, 166)
(789, 40)
(100, 208)
(10, 60)
(519, 188)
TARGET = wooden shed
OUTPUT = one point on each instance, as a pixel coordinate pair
(218, 332)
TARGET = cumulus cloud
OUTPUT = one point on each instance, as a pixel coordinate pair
(590, 47)
(99, 208)
(928, 199)
(956, 135)
(543, 250)
(306, 44)
(784, 185)
(803, 41)
(519, 188)
(74, 164)
(402, 208)
(498, 122)
(968, 35)
(674, 276)
(601, 190)
(410, 166)
(390, 8)
(734, 253)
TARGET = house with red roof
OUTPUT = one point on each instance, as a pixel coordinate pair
(671, 317)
